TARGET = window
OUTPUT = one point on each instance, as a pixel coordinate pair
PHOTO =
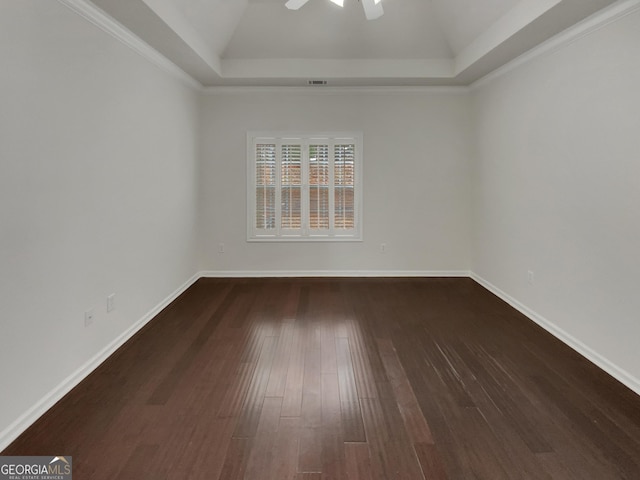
(304, 187)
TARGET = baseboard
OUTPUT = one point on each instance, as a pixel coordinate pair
(23, 422)
(611, 368)
(331, 273)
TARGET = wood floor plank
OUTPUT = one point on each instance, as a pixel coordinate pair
(388, 459)
(414, 421)
(358, 461)
(311, 408)
(392, 455)
(139, 460)
(328, 348)
(430, 461)
(310, 450)
(292, 395)
(242, 372)
(364, 378)
(286, 449)
(358, 378)
(352, 423)
(166, 388)
(334, 466)
(235, 462)
(500, 388)
(309, 476)
(249, 417)
(279, 369)
(261, 458)
(626, 464)
(236, 390)
(331, 408)
(206, 450)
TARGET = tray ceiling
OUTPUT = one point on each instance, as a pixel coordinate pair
(415, 42)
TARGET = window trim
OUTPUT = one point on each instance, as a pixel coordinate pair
(304, 138)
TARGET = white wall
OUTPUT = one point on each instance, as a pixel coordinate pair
(416, 179)
(98, 187)
(558, 191)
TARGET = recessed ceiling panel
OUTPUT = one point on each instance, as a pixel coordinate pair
(415, 42)
(463, 21)
(322, 29)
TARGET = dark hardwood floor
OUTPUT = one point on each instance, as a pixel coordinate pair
(343, 378)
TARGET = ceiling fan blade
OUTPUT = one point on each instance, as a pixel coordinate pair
(372, 9)
(295, 4)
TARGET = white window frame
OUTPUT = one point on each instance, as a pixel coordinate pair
(305, 234)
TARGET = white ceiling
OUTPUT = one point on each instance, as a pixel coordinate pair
(408, 30)
(415, 42)
(463, 20)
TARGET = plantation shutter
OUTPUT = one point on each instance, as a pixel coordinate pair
(344, 186)
(265, 186)
(291, 187)
(304, 187)
(319, 187)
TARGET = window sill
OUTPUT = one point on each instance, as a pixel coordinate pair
(315, 239)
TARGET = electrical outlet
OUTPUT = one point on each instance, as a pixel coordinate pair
(530, 277)
(111, 302)
(89, 316)
(221, 247)
(383, 248)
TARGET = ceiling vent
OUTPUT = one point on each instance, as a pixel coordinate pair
(317, 82)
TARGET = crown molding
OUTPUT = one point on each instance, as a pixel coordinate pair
(109, 25)
(591, 24)
(322, 90)
(338, 68)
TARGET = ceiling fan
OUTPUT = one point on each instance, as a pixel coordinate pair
(372, 8)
